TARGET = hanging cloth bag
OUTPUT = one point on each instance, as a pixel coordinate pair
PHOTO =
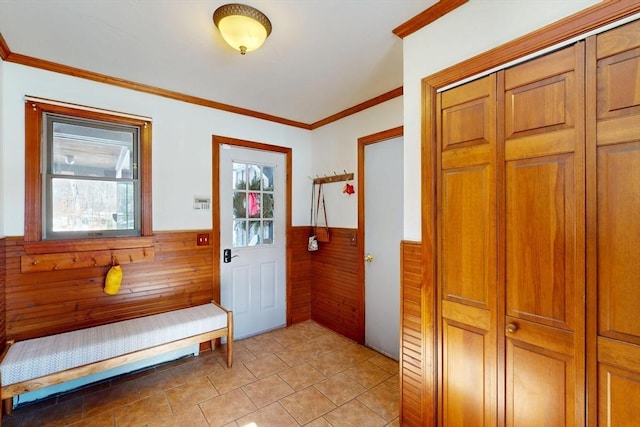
(321, 232)
(312, 245)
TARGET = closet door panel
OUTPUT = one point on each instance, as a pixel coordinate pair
(467, 255)
(537, 383)
(544, 242)
(615, 226)
(619, 241)
(464, 373)
(540, 223)
(540, 96)
(616, 386)
(466, 235)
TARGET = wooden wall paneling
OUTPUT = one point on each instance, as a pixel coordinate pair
(613, 203)
(3, 286)
(413, 390)
(43, 303)
(335, 283)
(299, 300)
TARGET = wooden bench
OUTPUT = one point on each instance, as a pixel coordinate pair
(40, 362)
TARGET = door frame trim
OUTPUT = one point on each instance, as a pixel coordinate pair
(362, 143)
(216, 142)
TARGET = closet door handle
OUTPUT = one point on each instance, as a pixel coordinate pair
(512, 327)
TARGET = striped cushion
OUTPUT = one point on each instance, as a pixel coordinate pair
(37, 357)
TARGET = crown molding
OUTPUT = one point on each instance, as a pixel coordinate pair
(5, 52)
(427, 16)
(29, 61)
(140, 87)
(589, 19)
(360, 107)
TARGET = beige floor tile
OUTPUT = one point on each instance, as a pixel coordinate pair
(58, 415)
(205, 364)
(367, 374)
(307, 405)
(162, 380)
(354, 414)
(231, 379)
(340, 388)
(111, 398)
(105, 419)
(267, 390)
(190, 393)
(227, 408)
(273, 415)
(191, 417)
(266, 366)
(261, 348)
(385, 363)
(316, 348)
(142, 411)
(295, 357)
(301, 376)
(384, 400)
(394, 423)
(240, 356)
(291, 339)
(394, 381)
(357, 353)
(331, 363)
(333, 340)
(319, 422)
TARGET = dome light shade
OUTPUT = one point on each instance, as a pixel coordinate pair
(242, 27)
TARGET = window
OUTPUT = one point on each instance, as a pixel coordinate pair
(88, 173)
(252, 205)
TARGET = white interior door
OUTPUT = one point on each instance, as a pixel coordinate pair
(383, 233)
(253, 231)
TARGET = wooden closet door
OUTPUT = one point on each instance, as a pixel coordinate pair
(467, 255)
(614, 222)
(543, 228)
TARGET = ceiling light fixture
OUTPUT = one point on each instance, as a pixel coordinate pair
(242, 27)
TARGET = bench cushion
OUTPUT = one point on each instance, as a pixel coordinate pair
(38, 357)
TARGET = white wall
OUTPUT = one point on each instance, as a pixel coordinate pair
(181, 145)
(2, 84)
(335, 150)
(473, 28)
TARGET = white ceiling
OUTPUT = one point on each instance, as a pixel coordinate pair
(323, 56)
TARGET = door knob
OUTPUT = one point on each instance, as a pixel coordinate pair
(512, 327)
(226, 256)
(368, 258)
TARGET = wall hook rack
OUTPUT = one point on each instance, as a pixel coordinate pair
(333, 178)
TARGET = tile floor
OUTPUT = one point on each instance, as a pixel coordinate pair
(302, 375)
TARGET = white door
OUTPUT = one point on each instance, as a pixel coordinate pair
(253, 238)
(383, 232)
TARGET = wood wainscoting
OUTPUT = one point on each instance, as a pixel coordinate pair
(3, 286)
(324, 286)
(416, 339)
(299, 276)
(44, 303)
(337, 295)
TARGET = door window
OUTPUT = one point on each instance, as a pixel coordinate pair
(253, 198)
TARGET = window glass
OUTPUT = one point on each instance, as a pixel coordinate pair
(91, 181)
(252, 204)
